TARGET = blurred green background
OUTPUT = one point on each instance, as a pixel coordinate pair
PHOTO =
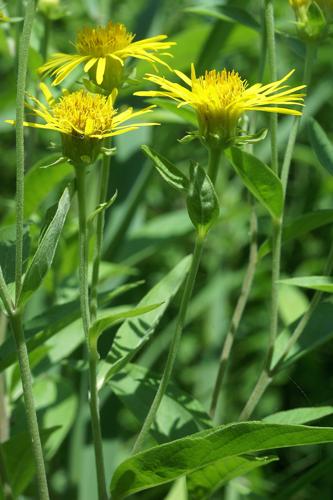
(148, 232)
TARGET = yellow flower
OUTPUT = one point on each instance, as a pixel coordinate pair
(221, 98)
(83, 120)
(103, 51)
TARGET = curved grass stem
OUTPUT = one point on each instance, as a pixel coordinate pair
(85, 312)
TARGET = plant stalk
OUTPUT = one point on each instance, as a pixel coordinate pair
(23, 358)
(20, 94)
(214, 156)
(271, 53)
(85, 311)
(187, 293)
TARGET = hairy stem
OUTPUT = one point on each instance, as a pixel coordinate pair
(85, 312)
(238, 312)
(23, 358)
(213, 163)
(187, 292)
(20, 92)
(271, 54)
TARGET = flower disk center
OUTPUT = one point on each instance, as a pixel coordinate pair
(84, 114)
(102, 41)
(219, 89)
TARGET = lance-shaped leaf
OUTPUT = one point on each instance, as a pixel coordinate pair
(133, 334)
(320, 283)
(202, 202)
(102, 324)
(321, 145)
(43, 257)
(171, 174)
(260, 180)
(165, 463)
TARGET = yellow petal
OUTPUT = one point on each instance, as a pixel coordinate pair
(100, 70)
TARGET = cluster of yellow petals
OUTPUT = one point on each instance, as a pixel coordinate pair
(103, 50)
(220, 98)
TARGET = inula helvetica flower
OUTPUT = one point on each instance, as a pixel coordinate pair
(103, 51)
(221, 98)
(83, 120)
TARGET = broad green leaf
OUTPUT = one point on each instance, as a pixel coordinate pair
(226, 13)
(165, 463)
(299, 226)
(43, 257)
(19, 459)
(206, 481)
(321, 283)
(202, 202)
(133, 334)
(171, 174)
(102, 324)
(178, 415)
(51, 322)
(321, 145)
(260, 180)
(317, 332)
(7, 250)
(299, 415)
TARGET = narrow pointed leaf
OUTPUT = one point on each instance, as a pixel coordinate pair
(43, 257)
(321, 145)
(299, 415)
(321, 283)
(171, 174)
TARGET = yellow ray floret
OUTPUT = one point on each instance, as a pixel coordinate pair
(98, 47)
(220, 98)
(84, 115)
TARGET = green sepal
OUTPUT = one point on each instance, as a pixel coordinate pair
(202, 202)
(170, 173)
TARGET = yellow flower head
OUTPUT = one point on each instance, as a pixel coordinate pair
(83, 120)
(103, 51)
(221, 98)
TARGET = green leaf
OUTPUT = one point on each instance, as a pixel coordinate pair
(321, 283)
(102, 324)
(321, 145)
(299, 226)
(299, 415)
(7, 250)
(178, 415)
(226, 13)
(202, 202)
(206, 481)
(165, 463)
(43, 257)
(171, 174)
(53, 321)
(132, 335)
(19, 460)
(260, 180)
(318, 331)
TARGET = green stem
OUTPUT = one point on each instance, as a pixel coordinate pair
(268, 372)
(46, 37)
(100, 219)
(213, 163)
(23, 357)
(20, 94)
(187, 292)
(238, 313)
(271, 53)
(85, 311)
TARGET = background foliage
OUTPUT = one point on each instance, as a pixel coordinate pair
(147, 234)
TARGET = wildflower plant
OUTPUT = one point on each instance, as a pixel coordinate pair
(111, 313)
